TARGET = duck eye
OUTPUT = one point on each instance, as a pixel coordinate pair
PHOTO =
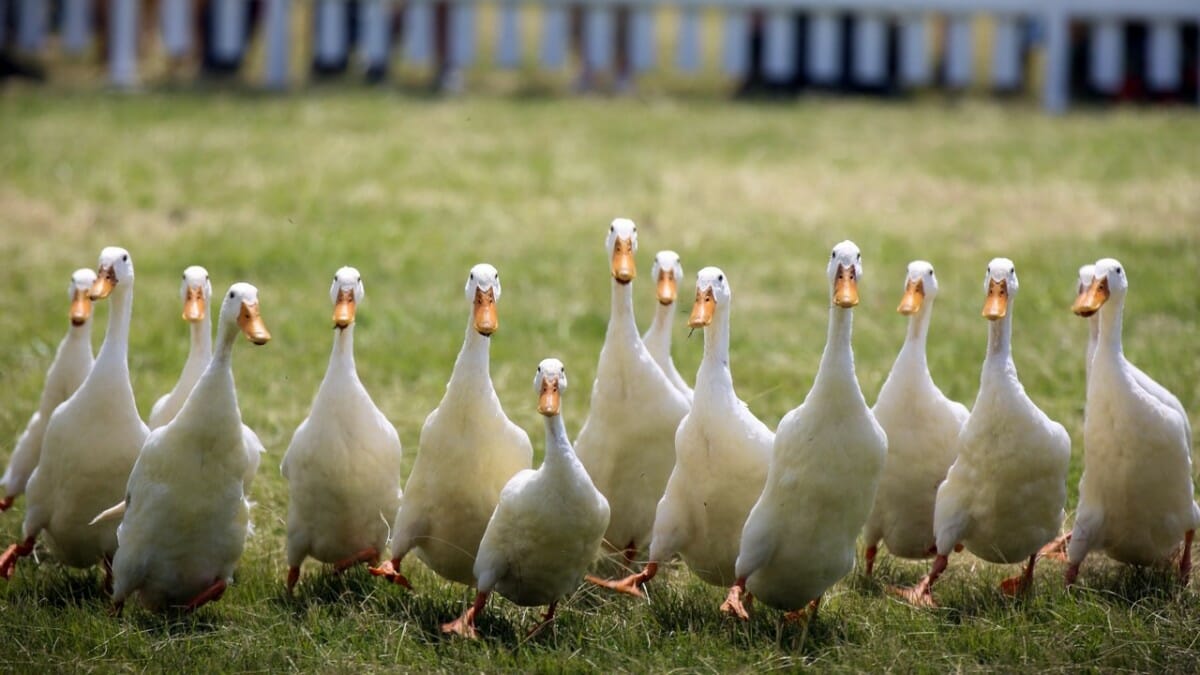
(833, 255)
(231, 294)
(720, 277)
(125, 257)
(1119, 270)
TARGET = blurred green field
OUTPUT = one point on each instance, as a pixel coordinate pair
(280, 192)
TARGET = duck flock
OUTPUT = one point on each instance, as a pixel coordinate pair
(658, 469)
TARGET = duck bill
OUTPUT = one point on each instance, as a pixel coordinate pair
(548, 400)
(666, 287)
(1092, 298)
(702, 310)
(81, 307)
(106, 279)
(193, 306)
(845, 287)
(252, 324)
(623, 268)
(914, 295)
(486, 319)
(995, 307)
(343, 309)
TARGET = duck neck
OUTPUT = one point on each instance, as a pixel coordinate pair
(659, 336)
(622, 323)
(716, 344)
(341, 359)
(1108, 342)
(918, 331)
(559, 454)
(1093, 340)
(214, 395)
(837, 361)
(473, 362)
(200, 351)
(80, 337)
(999, 345)
(113, 359)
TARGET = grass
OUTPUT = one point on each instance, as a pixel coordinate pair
(282, 191)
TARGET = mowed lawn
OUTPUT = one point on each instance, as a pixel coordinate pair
(280, 192)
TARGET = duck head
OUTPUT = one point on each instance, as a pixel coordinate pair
(1086, 274)
(668, 273)
(549, 382)
(920, 284)
(345, 293)
(1108, 280)
(80, 293)
(240, 306)
(712, 291)
(115, 267)
(483, 291)
(844, 271)
(622, 244)
(1000, 285)
(195, 291)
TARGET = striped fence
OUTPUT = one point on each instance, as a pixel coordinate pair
(866, 63)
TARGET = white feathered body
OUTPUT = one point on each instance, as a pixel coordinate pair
(627, 442)
(186, 516)
(922, 427)
(722, 452)
(71, 365)
(343, 471)
(468, 451)
(1136, 497)
(545, 532)
(1003, 497)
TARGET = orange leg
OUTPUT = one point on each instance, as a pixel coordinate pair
(547, 619)
(807, 614)
(1022, 583)
(8, 559)
(390, 570)
(631, 584)
(464, 626)
(106, 562)
(367, 555)
(737, 602)
(1185, 562)
(210, 594)
(293, 575)
(630, 552)
(1072, 574)
(872, 551)
(921, 595)
(6, 503)
(1057, 549)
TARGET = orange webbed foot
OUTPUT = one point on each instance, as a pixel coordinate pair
(210, 594)
(368, 555)
(6, 503)
(630, 585)
(920, 595)
(1057, 549)
(463, 626)
(390, 570)
(1014, 586)
(734, 605)
(8, 559)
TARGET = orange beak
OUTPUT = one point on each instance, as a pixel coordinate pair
(486, 320)
(193, 305)
(845, 287)
(914, 295)
(666, 287)
(105, 280)
(996, 305)
(1091, 298)
(548, 400)
(343, 309)
(623, 268)
(702, 310)
(252, 324)
(81, 307)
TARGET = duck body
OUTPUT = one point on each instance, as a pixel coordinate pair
(668, 273)
(92, 440)
(71, 365)
(186, 513)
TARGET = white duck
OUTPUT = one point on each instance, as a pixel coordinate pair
(829, 453)
(343, 464)
(1135, 506)
(70, 366)
(922, 426)
(468, 451)
(1003, 497)
(668, 272)
(196, 291)
(91, 441)
(547, 526)
(187, 516)
(721, 456)
(627, 442)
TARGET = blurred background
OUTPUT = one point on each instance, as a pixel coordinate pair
(1058, 52)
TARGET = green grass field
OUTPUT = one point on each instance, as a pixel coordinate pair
(282, 191)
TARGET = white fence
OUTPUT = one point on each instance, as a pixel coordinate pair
(823, 49)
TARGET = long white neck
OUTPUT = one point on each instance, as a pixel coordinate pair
(112, 363)
(1093, 340)
(214, 395)
(471, 367)
(341, 371)
(913, 351)
(79, 337)
(200, 351)
(621, 323)
(714, 366)
(837, 361)
(658, 337)
(559, 453)
(1108, 343)
(999, 360)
